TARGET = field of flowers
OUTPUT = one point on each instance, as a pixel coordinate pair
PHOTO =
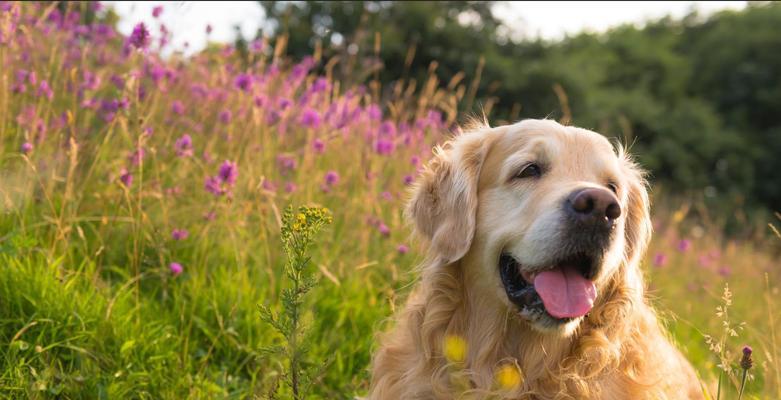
(141, 202)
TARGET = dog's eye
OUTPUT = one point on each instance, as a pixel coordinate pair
(613, 187)
(530, 171)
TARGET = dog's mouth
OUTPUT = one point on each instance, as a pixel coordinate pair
(561, 292)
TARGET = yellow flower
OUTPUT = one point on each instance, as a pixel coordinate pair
(508, 376)
(301, 218)
(455, 348)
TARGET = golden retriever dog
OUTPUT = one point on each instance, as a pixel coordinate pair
(534, 233)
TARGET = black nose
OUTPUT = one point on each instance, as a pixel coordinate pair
(594, 205)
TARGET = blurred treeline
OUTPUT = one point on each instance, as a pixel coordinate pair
(698, 98)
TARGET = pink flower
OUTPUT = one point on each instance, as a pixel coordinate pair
(725, 271)
(175, 268)
(331, 178)
(384, 230)
(290, 187)
(402, 249)
(184, 146)
(244, 82)
(180, 234)
(177, 107)
(229, 172)
(126, 177)
(310, 118)
(319, 146)
(408, 179)
(660, 260)
(26, 148)
(684, 245)
(140, 36)
(383, 147)
(156, 11)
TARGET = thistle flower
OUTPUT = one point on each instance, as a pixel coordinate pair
(140, 36)
(156, 11)
(179, 234)
(408, 179)
(290, 187)
(175, 268)
(26, 148)
(184, 146)
(745, 364)
(684, 245)
(402, 249)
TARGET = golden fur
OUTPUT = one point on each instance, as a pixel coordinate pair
(465, 210)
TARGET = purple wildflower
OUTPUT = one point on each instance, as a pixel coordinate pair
(331, 178)
(184, 146)
(375, 112)
(660, 260)
(384, 147)
(310, 118)
(126, 177)
(408, 179)
(213, 186)
(286, 163)
(746, 362)
(228, 172)
(140, 36)
(26, 148)
(284, 104)
(415, 160)
(156, 11)
(402, 249)
(137, 157)
(177, 107)
(175, 268)
(725, 271)
(684, 245)
(208, 29)
(384, 230)
(290, 187)
(320, 85)
(386, 195)
(244, 82)
(387, 129)
(45, 91)
(226, 116)
(319, 146)
(180, 234)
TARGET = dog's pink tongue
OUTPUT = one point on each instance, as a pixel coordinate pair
(565, 292)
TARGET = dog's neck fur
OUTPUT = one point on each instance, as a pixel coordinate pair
(494, 336)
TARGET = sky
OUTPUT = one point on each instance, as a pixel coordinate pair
(549, 20)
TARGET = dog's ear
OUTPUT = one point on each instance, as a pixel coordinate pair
(444, 201)
(638, 220)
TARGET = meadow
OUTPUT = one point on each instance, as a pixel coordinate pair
(142, 198)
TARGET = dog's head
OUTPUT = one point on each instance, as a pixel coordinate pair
(543, 216)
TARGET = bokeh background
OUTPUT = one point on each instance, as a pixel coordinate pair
(148, 150)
